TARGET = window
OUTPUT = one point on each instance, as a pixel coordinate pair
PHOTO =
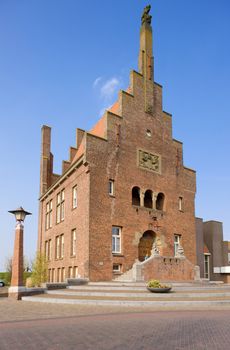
(206, 266)
(59, 249)
(62, 246)
(180, 203)
(49, 208)
(62, 274)
(73, 272)
(70, 272)
(111, 187)
(48, 250)
(160, 201)
(148, 199)
(74, 196)
(59, 274)
(177, 239)
(136, 196)
(60, 206)
(116, 268)
(73, 242)
(116, 239)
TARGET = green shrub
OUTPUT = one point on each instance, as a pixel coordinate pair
(156, 284)
(5, 276)
(39, 270)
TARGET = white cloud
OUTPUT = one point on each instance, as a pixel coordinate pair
(97, 81)
(108, 89)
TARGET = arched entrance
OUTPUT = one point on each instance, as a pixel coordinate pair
(145, 244)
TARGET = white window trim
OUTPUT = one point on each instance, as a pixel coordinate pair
(116, 238)
(117, 270)
(111, 187)
(74, 197)
(181, 204)
(176, 243)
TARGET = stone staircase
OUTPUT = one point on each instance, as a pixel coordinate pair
(125, 277)
(185, 295)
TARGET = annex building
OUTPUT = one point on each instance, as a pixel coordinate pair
(123, 206)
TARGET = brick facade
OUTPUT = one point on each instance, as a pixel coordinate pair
(131, 146)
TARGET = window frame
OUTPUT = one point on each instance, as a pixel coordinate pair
(74, 197)
(60, 206)
(117, 270)
(115, 239)
(111, 189)
(181, 203)
(73, 251)
(48, 216)
(176, 243)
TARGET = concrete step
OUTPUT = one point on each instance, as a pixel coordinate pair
(131, 288)
(140, 294)
(214, 302)
(136, 294)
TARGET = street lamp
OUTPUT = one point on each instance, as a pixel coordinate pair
(20, 214)
(17, 289)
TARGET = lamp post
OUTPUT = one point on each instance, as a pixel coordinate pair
(16, 289)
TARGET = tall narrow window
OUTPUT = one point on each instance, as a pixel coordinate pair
(70, 272)
(50, 249)
(116, 239)
(62, 246)
(177, 239)
(136, 196)
(73, 242)
(46, 250)
(49, 208)
(111, 187)
(206, 266)
(74, 194)
(180, 203)
(160, 201)
(60, 206)
(75, 271)
(148, 199)
(57, 250)
(62, 274)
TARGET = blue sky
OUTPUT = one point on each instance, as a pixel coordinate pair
(63, 62)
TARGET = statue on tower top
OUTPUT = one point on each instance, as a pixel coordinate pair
(146, 17)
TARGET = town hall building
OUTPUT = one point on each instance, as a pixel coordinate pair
(123, 206)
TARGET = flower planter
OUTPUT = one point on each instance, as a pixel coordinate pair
(159, 290)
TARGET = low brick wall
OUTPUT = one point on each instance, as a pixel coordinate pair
(167, 269)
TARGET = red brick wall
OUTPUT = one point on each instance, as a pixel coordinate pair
(168, 269)
(117, 159)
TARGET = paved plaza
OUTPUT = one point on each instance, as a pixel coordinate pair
(25, 325)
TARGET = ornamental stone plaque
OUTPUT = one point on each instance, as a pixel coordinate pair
(149, 161)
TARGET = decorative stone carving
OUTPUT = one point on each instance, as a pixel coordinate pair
(155, 251)
(149, 161)
(149, 109)
(146, 17)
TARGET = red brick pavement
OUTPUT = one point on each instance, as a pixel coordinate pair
(156, 330)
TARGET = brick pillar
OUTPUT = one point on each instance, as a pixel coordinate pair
(16, 289)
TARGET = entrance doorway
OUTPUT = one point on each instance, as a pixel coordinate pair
(146, 244)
